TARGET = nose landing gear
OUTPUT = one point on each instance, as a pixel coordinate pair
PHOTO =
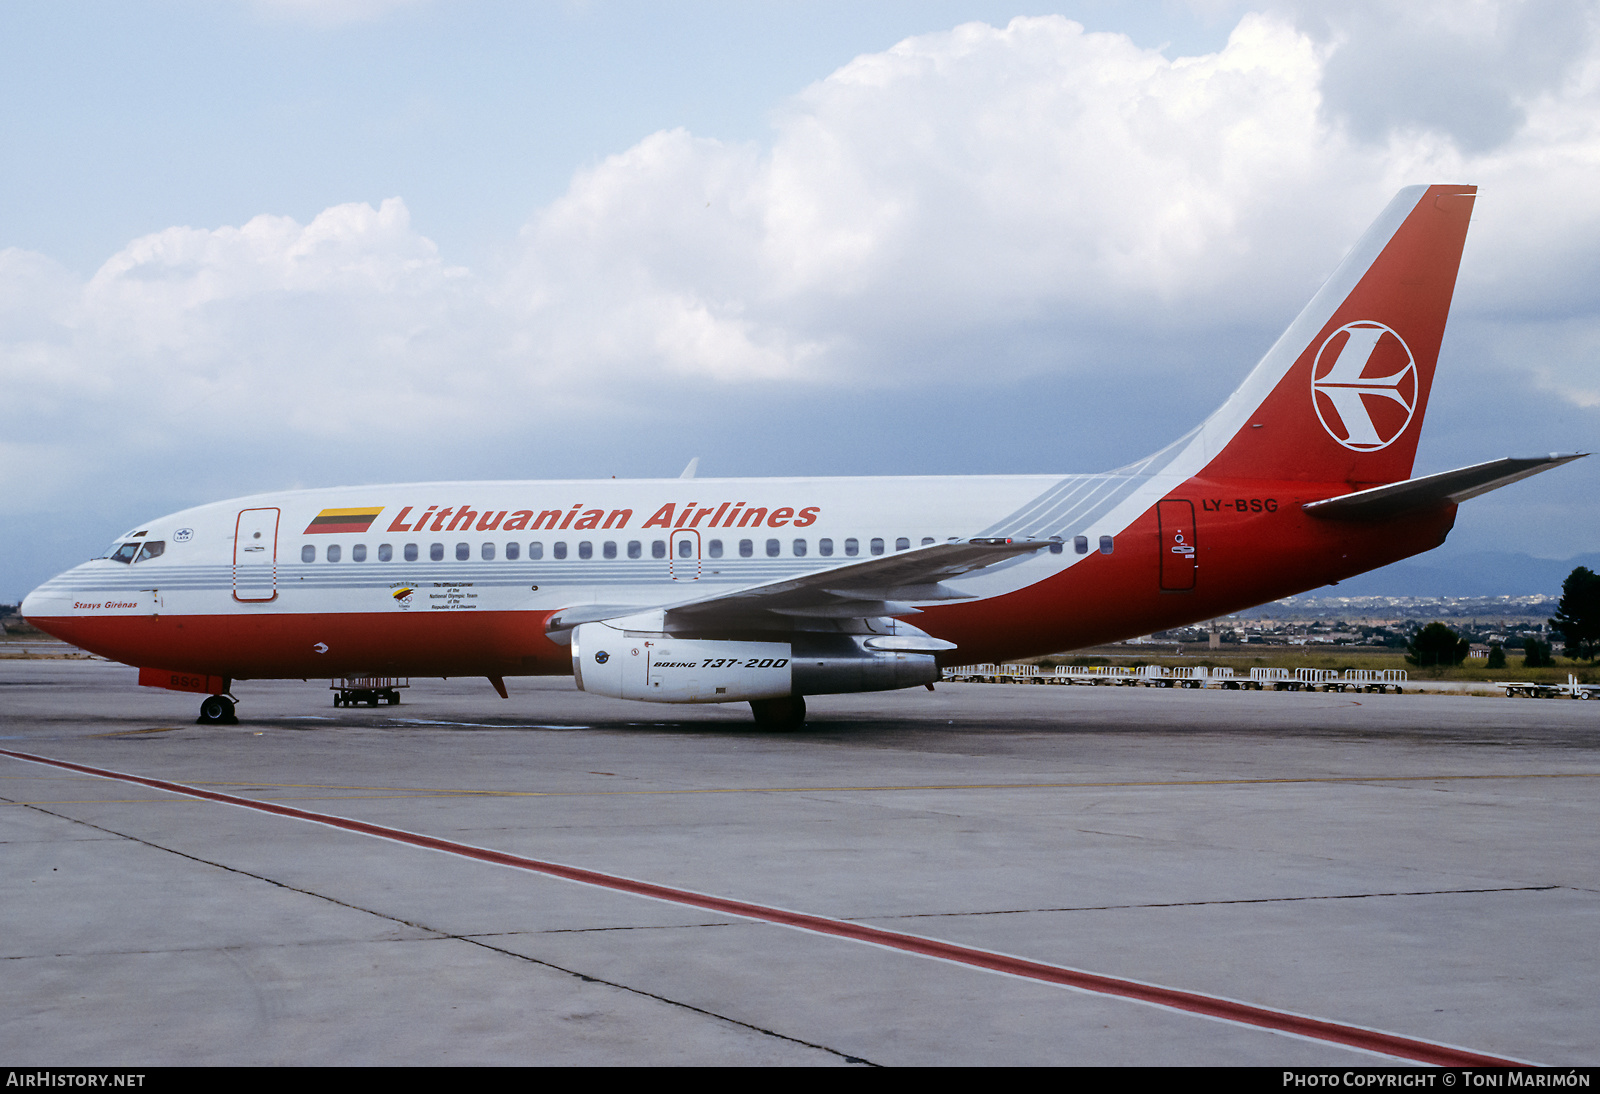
(217, 711)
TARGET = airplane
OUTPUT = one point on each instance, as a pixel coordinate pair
(703, 590)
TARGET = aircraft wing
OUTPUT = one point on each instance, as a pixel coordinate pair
(881, 586)
(1383, 502)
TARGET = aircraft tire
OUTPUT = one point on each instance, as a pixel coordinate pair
(786, 713)
(217, 710)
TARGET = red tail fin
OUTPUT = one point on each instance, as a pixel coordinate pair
(1340, 397)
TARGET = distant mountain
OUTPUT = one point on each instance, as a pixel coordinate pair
(1470, 573)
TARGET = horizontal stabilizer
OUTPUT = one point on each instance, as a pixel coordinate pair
(1382, 502)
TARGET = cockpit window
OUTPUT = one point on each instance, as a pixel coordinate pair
(124, 553)
(152, 549)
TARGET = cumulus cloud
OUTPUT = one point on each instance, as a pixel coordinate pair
(202, 333)
(1467, 69)
(918, 217)
(964, 179)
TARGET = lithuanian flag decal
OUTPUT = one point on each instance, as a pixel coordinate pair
(343, 520)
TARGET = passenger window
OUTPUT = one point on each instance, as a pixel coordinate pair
(535, 551)
(385, 553)
(411, 552)
(926, 540)
(1055, 545)
(308, 553)
(585, 549)
(1080, 544)
(513, 551)
(486, 552)
(825, 547)
(877, 546)
(852, 548)
(635, 548)
(358, 553)
(799, 548)
(746, 548)
(559, 550)
(714, 548)
(436, 552)
(773, 547)
(902, 544)
(152, 549)
(333, 552)
(658, 548)
(609, 548)
(463, 552)
(1106, 545)
(685, 548)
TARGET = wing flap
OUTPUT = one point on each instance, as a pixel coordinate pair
(866, 589)
(870, 587)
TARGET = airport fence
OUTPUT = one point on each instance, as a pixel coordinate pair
(1199, 676)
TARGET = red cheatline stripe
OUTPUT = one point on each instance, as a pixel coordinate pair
(1211, 1006)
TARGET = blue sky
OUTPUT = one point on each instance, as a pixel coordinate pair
(247, 246)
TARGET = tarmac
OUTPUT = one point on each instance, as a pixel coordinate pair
(984, 875)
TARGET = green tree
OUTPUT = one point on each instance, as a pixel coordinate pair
(1437, 646)
(1578, 615)
(1497, 656)
(1536, 655)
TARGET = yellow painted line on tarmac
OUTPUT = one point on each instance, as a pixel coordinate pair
(377, 793)
(917, 786)
(85, 801)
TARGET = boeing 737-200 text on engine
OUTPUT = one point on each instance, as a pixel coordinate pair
(768, 590)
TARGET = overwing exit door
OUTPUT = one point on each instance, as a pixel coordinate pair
(683, 561)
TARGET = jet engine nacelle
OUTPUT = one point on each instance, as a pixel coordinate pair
(659, 668)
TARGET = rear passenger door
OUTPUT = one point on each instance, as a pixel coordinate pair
(1177, 545)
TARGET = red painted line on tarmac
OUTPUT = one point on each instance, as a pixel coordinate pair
(1210, 1006)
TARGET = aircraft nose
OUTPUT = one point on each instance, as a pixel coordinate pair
(48, 599)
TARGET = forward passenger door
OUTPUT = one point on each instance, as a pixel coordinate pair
(255, 556)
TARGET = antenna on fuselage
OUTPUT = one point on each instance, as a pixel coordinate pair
(688, 472)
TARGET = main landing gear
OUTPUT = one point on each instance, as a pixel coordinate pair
(780, 714)
(217, 711)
